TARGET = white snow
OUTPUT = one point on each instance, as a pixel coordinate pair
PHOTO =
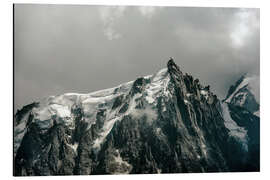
(237, 132)
(160, 75)
(150, 99)
(43, 115)
(61, 110)
(257, 113)
(74, 147)
(105, 131)
(19, 132)
(241, 85)
(153, 89)
(186, 101)
(204, 93)
(157, 86)
(164, 109)
(204, 148)
(60, 106)
(158, 130)
(18, 138)
(67, 99)
(253, 85)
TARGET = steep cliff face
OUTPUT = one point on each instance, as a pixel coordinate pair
(162, 123)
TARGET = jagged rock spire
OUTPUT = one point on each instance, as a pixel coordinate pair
(172, 67)
(138, 86)
(171, 62)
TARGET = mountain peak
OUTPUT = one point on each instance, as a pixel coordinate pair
(234, 87)
(172, 66)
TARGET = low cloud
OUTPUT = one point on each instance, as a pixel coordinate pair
(246, 23)
(147, 112)
(149, 11)
(82, 48)
(109, 15)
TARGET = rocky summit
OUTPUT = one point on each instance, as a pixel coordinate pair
(162, 123)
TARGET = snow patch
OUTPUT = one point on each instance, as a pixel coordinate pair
(204, 149)
(150, 99)
(235, 131)
(186, 101)
(60, 110)
(157, 86)
(158, 130)
(160, 74)
(164, 108)
(105, 131)
(204, 93)
(74, 147)
(19, 132)
(43, 115)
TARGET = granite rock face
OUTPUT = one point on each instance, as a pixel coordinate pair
(162, 123)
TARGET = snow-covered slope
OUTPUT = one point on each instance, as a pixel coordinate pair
(58, 109)
(235, 131)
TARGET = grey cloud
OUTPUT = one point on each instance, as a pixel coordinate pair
(65, 48)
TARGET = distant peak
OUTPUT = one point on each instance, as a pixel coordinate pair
(234, 87)
(245, 93)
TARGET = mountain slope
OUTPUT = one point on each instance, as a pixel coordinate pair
(162, 123)
(243, 107)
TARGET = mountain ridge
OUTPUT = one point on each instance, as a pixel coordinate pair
(162, 123)
(242, 94)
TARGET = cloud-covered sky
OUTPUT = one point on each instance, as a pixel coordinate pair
(84, 48)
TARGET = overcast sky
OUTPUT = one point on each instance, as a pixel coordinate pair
(68, 48)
